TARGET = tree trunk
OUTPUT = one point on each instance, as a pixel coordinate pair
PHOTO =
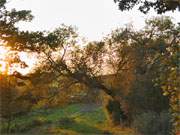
(115, 113)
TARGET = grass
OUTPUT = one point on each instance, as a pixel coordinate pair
(68, 120)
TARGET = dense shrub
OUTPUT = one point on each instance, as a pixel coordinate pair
(151, 123)
(115, 112)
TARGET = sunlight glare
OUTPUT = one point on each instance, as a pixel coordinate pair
(3, 63)
(3, 67)
(28, 58)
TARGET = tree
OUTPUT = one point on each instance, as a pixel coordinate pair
(169, 75)
(160, 6)
(80, 65)
(9, 33)
(166, 60)
(10, 36)
(13, 102)
(154, 57)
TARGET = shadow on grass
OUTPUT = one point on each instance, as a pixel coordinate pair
(80, 128)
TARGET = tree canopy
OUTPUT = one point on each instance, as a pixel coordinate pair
(160, 6)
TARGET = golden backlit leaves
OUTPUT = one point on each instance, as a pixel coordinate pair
(3, 63)
(6, 67)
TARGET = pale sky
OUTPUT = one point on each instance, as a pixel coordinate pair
(93, 18)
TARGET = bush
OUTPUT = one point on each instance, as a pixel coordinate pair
(115, 112)
(151, 123)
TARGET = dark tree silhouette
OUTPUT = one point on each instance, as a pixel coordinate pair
(160, 6)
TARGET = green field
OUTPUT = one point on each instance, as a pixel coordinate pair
(77, 119)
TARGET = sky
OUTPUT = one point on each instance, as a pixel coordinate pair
(93, 18)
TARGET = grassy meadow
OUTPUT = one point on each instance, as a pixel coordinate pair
(74, 119)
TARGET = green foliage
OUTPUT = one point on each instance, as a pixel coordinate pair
(144, 96)
(160, 6)
(151, 123)
(9, 33)
(169, 80)
(168, 69)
